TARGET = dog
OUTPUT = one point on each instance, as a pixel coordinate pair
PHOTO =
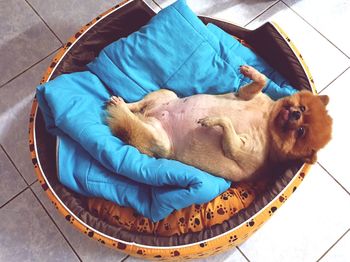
(234, 135)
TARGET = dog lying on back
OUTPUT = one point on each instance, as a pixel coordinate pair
(235, 135)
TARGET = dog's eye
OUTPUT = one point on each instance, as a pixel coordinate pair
(302, 108)
(300, 131)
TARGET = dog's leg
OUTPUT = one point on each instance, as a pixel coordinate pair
(232, 143)
(157, 97)
(248, 92)
(146, 134)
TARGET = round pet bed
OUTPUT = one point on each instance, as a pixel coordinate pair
(269, 41)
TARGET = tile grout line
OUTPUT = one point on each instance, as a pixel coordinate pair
(30, 67)
(54, 222)
(332, 246)
(14, 165)
(306, 21)
(25, 181)
(333, 178)
(157, 4)
(29, 187)
(14, 197)
(261, 13)
(125, 258)
(42, 19)
(342, 73)
(243, 254)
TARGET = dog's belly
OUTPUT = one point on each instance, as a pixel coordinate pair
(201, 146)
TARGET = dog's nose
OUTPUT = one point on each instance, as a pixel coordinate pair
(295, 115)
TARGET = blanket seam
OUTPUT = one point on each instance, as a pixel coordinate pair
(203, 36)
(179, 68)
(123, 71)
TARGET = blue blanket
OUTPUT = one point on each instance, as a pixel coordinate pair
(175, 50)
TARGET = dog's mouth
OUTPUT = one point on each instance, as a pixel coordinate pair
(287, 118)
(283, 117)
(284, 114)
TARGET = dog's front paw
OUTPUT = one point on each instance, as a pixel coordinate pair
(207, 121)
(252, 73)
(116, 101)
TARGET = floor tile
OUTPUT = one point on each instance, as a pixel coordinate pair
(308, 224)
(24, 39)
(228, 256)
(239, 12)
(331, 18)
(153, 5)
(86, 248)
(340, 252)
(11, 182)
(66, 17)
(334, 156)
(15, 105)
(28, 234)
(324, 60)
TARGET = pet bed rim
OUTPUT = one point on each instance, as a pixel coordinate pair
(32, 124)
(297, 54)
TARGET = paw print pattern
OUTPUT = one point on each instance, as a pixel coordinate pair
(142, 226)
(89, 232)
(195, 221)
(197, 208)
(282, 198)
(69, 219)
(221, 210)
(204, 244)
(250, 223)
(101, 241)
(233, 238)
(226, 195)
(233, 211)
(175, 253)
(244, 194)
(181, 222)
(167, 226)
(141, 252)
(272, 210)
(210, 214)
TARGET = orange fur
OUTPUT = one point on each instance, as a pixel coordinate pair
(315, 119)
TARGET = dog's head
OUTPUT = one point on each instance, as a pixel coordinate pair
(300, 126)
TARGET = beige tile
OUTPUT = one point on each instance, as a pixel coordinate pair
(28, 234)
(306, 226)
(334, 157)
(24, 39)
(66, 17)
(340, 252)
(331, 18)
(15, 105)
(87, 249)
(239, 12)
(324, 60)
(11, 182)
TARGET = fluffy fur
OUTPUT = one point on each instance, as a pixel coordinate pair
(235, 136)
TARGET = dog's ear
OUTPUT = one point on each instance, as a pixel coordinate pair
(324, 99)
(311, 158)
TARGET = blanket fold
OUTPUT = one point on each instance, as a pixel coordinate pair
(192, 59)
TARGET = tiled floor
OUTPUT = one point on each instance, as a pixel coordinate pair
(313, 225)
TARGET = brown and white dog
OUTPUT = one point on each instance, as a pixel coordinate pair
(234, 136)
